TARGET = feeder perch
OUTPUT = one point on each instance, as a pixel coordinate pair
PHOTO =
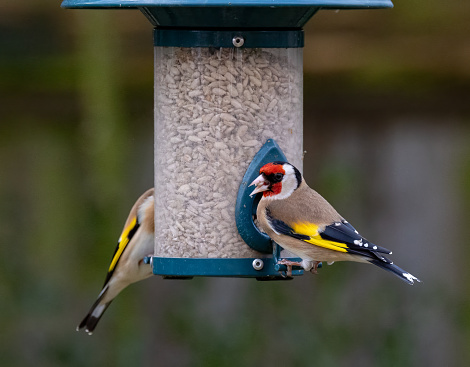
(228, 99)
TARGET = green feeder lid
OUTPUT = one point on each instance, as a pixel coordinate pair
(228, 14)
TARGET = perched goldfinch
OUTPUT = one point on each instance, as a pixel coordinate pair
(304, 223)
(127, 265)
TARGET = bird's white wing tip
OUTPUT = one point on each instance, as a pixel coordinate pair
(411, 278)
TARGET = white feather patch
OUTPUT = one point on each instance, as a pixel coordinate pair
(410, 277)
(141, 211)
(289, 183)
(98, 310)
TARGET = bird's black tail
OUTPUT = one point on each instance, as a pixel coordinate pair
(94, 315)
(403, 275)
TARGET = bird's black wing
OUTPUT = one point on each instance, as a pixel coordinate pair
(344, 232)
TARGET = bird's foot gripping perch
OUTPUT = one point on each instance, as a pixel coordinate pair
(316, 265)
(289, 265)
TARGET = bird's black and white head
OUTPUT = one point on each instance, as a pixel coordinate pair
(277, 180)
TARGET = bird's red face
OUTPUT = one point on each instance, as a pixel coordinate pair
(269, 182)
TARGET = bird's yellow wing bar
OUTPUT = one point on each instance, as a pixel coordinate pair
(309, 233)
(123, 242)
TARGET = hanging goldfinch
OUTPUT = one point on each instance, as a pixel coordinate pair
(304, 223)
(127, 265)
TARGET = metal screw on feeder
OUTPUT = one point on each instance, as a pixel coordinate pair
(258, 264)
(238, 41)
(228, 99)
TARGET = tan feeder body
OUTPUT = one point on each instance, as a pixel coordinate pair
(228, 99)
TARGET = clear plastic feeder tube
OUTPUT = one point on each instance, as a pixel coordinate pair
(214, 109)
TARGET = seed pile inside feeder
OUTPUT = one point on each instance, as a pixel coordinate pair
(214, 109)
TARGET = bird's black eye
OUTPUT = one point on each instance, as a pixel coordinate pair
(277, 177)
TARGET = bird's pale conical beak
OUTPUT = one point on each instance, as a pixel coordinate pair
(261, 185)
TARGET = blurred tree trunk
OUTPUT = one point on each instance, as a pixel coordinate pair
(103, 129)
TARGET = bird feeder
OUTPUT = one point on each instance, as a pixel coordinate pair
(228, 99)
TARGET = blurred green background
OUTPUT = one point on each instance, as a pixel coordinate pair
(387, 131)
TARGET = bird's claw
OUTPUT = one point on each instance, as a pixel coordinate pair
(314, 269)
(289, 264)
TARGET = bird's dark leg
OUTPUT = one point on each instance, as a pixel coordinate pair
(313, 270)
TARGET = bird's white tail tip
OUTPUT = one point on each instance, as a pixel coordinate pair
(411, 278)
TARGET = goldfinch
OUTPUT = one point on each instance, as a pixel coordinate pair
(304, 223)
(127, 265)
